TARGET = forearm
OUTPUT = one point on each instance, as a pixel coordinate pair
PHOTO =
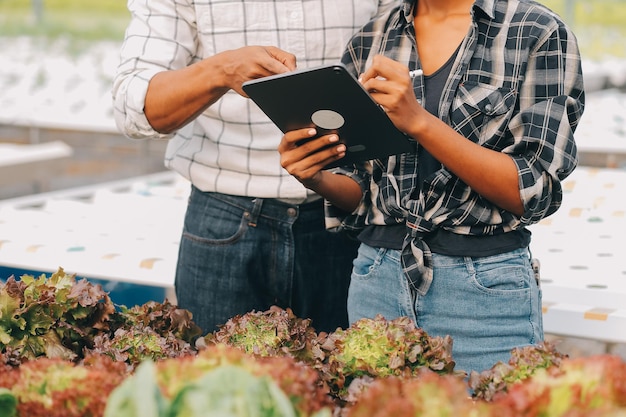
(176, 97)
(340, 190)
(491, 174)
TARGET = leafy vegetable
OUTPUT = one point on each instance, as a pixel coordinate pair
(47, 387)
(275, 332)
(427, 394)
(302, 384)
(587, 386)
(66, 351)
(524, 362)
(369, 348)
(150, 331)
(138, 396)
(59, 317)
(231, 390)
(8, 403)
(56, 317)
(372, 348)
(220, 381)
(136, 345)
(163, 318)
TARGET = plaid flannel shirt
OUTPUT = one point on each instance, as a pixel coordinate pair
(516, 87)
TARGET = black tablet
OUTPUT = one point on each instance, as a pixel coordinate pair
(330, 99)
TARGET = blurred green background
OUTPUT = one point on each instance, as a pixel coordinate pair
(600, 25)
(87, 20)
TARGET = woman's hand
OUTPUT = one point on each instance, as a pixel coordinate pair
(305, 156)
(390, 85)
(490, 173)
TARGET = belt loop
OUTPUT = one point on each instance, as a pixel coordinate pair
(536, 265)
(253, 216)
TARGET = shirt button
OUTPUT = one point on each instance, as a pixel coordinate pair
(488, 108)
(291, 212)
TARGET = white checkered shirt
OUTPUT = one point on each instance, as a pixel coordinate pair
(231, 147)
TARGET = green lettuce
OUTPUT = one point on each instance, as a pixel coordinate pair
(585, 386)
(524, 362)
(227, 391)
(55, 317)
(60, 317)
(47, 387)
(8, 403)
(275, 332)
(375, 348)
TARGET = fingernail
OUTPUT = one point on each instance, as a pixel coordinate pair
(311, 132)
(333, 138)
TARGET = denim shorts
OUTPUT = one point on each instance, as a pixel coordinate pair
(488, 305)
(239, 254)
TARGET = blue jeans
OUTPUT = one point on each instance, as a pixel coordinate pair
(239, 254)
(488, 305)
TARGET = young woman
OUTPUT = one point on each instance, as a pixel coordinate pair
(443, 229)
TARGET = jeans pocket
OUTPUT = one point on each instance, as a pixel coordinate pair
(367, 262)
(212, 221)
(502, 274)
(378, 286)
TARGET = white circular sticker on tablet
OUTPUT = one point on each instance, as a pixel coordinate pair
(327, 119)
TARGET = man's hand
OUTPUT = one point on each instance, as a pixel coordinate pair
(176, 97)
(251, 62)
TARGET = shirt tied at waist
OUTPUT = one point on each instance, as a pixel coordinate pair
(416, 257)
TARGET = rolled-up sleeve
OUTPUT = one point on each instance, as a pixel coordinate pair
(552, 103)
(161, 36)
(337, 219)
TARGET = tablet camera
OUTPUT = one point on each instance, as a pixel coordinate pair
(327, 119)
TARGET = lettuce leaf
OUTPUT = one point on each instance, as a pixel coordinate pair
(8, 403)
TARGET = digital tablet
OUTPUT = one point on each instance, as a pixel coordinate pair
(330, 99)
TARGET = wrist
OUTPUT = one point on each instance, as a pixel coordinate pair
(214, 72)
(315, 183)
(421, 123)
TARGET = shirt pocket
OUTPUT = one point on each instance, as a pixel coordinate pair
(481, 112)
